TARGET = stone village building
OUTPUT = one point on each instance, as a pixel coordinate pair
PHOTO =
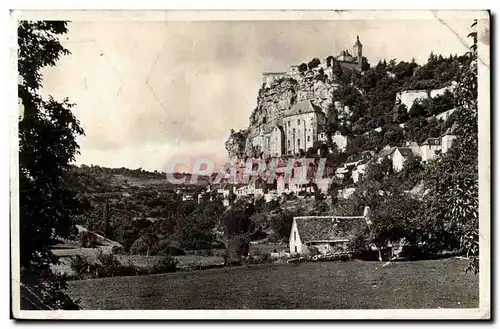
(324, 234)
(302, 125)
(344, 58)
(299, 132)
(427, 151)
(409, 97)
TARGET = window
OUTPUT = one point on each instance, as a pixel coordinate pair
(298, 121)
(308, 138)
(288, 143)
(293, 131)
(298, 142)
(295, 248)
(294, 236)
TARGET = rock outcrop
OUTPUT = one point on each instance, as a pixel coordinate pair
(236, 144)
(275, 101)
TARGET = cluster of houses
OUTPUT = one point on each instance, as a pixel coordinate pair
(351, 172)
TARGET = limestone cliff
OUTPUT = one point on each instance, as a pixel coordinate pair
(275, 101)
(236, 144)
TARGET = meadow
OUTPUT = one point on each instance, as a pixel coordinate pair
(319, 285)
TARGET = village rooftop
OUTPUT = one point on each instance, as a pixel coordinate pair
(240, 172)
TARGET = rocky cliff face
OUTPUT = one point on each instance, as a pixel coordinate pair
(236, 144)
(275, 102)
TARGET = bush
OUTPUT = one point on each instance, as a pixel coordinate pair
(82, 265)
(110, 265)
(204, 252)
(139, 247)
(107, 265)
(260, 259)
(108, 260)
(313, 251)
(166, 264)
(163, 248)
(88, 239)
(117, 250)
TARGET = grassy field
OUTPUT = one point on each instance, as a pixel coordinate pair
(321, 285)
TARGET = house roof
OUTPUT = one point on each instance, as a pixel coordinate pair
(405, 151)
(314, 228)
(302, 107)
(386, 151)
(432, 141)
(273, 73)
(450, 131)
(357, 43)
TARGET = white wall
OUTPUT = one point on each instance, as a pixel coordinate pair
(429, 151)
(410, 96)
(341, 141)
(397, 161)
(356, 173)
(445, 115)
(306, 132)
(346, 193)
(323, 184)
(276, 142)
(439, 92)
(296, 246)
(446, 142)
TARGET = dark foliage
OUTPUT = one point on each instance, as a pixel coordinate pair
(47, 145)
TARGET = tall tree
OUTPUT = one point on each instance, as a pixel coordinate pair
(452, 180)
(47, 146)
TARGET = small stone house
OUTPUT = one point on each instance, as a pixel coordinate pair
(399, 157)
(323, 234)
(429, 148)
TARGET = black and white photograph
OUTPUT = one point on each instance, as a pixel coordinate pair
(262, 164)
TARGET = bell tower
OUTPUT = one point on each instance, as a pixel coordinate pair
(358, 52)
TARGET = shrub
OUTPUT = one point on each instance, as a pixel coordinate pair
(256, 252)
(139, 247)
(82, 265)
(166, 265)
(88, 239)
(204, 252)
(163, 248)
(117, 250)
(108, 260)
(260, 259)
(313, 251)
(109, 265)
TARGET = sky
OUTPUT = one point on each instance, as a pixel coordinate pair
(149, 91)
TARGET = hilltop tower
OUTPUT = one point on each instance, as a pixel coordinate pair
(358, 51)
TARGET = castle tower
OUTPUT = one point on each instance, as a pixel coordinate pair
(358, 52)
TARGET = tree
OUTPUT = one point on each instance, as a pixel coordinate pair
(236, 219)
(393, 213)
(452, 180)
(313, 63)
(412, 172)
(365, 65)
(281, 222)
(47, 146)
(394, 136)
(302, 67)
